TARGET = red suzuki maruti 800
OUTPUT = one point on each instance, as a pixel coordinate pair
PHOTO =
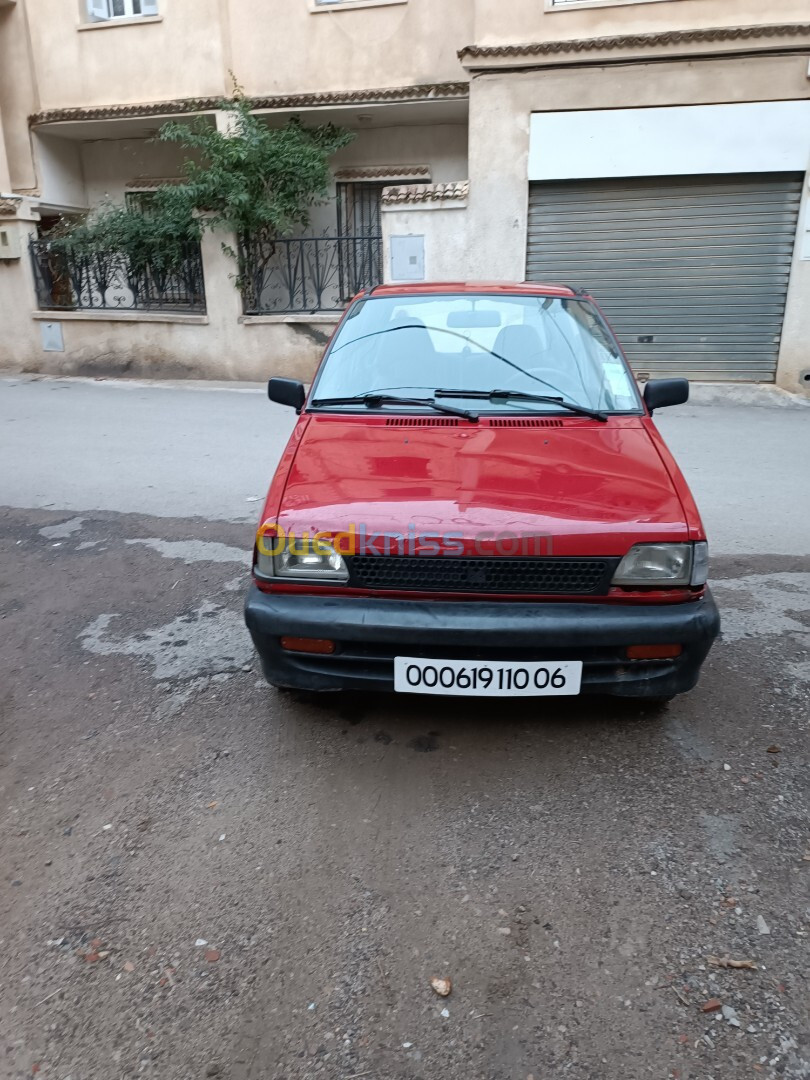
(476, 501)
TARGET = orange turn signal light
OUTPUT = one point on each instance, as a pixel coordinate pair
(308, 644)
(653, 652)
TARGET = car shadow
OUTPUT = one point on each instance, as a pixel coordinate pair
(459, 714)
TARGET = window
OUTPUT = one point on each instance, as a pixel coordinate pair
(332, 5)
(142, 202)
(562, 5)
(103, 10)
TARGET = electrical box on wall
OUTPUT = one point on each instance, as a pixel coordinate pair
(9, 242)
(52, 340)
(407, 258)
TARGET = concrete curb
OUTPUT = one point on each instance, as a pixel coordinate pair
(758, 395)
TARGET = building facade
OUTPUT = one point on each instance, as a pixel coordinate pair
(654, 152)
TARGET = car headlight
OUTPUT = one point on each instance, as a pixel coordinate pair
(305, 559)
(666, 565)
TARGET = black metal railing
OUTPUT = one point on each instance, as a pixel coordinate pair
(307, 274)
(111, 281)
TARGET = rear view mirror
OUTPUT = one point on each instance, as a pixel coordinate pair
(287, 392)
(473, 318)
(661, 392)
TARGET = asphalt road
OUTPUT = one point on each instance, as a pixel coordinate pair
(202, 877)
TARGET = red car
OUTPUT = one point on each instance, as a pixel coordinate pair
(476, 501)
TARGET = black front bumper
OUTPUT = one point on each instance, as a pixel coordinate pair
(370, 632)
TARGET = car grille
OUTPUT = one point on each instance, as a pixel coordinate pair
(482, 574)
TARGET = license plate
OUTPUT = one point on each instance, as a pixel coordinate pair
(478, 678)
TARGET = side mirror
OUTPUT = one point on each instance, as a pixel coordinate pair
(661, 392)
(287, 392)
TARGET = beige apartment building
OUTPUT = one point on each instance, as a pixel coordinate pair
(654, 152)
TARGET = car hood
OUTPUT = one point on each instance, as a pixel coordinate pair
(576, 485)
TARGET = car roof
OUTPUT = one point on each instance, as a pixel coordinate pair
(508, 288)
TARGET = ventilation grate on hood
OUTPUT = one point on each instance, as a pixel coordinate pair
(494, 421)
(421, 421)
(524, 421)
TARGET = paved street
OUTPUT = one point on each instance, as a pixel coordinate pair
(202, 877)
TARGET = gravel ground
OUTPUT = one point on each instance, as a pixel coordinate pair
(202, 877)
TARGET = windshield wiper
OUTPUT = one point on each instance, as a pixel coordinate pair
(375, 401)
(520, 395)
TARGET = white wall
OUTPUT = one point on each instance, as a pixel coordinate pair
(793, 372)
(5, 175)
(218, 345)
(502, 105)
(109, 165)
(444, 228)
(18, 336)
(762, 136)
(221, 344)
(752, 136)
(442, 147)
(59, 168)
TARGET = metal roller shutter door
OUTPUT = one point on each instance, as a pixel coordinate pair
(692, 272)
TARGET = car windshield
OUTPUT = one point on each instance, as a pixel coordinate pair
(412, 346)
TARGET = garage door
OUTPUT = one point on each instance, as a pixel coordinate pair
(692, 272)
